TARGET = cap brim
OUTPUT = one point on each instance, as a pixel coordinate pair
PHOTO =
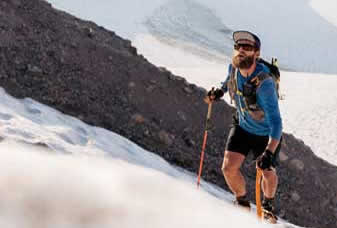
(243, 35)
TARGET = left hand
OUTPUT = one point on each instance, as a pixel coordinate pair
(213, 95)
(265, 160)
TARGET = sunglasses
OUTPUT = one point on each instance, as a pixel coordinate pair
(245, 47)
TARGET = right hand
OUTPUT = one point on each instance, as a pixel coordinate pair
(265, 160)
(213, 95)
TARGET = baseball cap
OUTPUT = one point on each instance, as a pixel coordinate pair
(245, 35)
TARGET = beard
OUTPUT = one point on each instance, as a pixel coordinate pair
(243, 62)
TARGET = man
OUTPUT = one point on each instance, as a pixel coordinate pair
(258, 126)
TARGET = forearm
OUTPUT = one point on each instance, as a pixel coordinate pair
(272, 144)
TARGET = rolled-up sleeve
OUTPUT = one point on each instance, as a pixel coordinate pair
(267, 97)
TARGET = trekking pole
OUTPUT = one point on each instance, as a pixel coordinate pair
(208, 120)
(258, 193)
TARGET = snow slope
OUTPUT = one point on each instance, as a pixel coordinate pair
(57, 171)
(326, 9)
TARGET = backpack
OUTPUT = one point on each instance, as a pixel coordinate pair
(274, 72)
(250, 88)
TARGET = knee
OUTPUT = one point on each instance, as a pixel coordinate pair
(267, 174)
(228, 169)
(232, 163)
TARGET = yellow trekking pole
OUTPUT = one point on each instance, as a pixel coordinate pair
(258, 193)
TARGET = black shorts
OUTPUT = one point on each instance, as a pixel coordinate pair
(241, 141)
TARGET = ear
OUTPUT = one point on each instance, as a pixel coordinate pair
(257, 54)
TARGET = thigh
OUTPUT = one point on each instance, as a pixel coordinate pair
(258, 144)
(237, 141)
(232, 160)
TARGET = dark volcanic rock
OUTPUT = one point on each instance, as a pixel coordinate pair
(89, 72)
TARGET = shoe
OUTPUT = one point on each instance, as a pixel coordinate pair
(242, 202)
(268, 210)
(269, 217)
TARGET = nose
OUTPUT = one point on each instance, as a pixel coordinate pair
(241, 50)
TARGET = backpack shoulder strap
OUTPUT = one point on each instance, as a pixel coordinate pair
(259, 78)
(232, 83)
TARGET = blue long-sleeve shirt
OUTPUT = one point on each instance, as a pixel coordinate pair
(266, 96)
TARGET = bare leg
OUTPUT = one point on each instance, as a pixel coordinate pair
(269, 186)
(269, 183)
(231, 170)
